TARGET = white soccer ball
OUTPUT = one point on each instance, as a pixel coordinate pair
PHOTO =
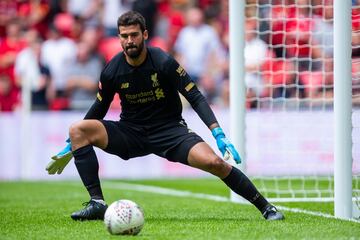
(124, 217)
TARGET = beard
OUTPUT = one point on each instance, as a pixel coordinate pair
(134, 51)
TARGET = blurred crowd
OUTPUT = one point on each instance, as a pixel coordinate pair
(57, 48)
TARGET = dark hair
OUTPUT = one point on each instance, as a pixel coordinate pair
(131, 18)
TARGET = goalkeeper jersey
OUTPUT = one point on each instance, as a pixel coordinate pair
(149, 93)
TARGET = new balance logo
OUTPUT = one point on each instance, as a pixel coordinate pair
(124, 85)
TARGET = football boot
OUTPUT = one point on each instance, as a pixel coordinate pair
(271, 213)
(94, 210)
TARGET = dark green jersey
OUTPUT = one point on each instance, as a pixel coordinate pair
(149, 93)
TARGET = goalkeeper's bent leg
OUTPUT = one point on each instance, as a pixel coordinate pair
(241, 184)
(88, 167)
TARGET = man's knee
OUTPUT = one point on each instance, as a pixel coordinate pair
(217, 166)
(78, 135)
(203, 157)
(88, 132)
(76, 130)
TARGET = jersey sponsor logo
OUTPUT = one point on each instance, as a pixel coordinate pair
(181, 71)
(142, 97)
(159, 93)
(189, 86)
(99, 97)
(145, 97)
(155, 80)
(124, 85)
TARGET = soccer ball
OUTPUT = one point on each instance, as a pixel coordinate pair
(124, 217)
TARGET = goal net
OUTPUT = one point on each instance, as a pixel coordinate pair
(289, 98)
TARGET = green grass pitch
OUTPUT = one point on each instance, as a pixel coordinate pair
(41, 210)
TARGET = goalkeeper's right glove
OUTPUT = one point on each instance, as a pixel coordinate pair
(225, 146)
(60, 160)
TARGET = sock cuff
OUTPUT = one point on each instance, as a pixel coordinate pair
(82, 150)
(231, 174)
(98, 200)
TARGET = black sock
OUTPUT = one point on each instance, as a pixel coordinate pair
(241, 184)
(88, 167)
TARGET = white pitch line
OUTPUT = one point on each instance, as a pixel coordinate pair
(179, 193)
(164, 191)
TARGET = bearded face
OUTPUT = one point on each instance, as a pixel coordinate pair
(133, 50)
(132, 40)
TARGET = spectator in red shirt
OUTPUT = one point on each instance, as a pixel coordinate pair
(278, 14)
(355, 15)
(299, 44)
(9, 48)
(35, 14)
(170, 20)
(8, 9)
(8, 97)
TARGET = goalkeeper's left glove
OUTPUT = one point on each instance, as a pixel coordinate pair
(224, 144)
(59, 161)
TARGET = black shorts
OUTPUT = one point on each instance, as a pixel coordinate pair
(172, 140)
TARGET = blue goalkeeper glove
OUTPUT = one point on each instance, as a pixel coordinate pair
(59, 161)
(224, 145)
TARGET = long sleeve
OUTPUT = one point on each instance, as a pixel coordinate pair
(103, 100)
(189, 90)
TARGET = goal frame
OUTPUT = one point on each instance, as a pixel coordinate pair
(342, 99)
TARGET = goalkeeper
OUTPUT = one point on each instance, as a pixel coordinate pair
(148, 82)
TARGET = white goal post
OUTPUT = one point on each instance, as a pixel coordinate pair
(304, 119)
(342, 110)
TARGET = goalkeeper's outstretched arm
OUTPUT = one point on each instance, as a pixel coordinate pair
(98, 110)
(189, 90)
